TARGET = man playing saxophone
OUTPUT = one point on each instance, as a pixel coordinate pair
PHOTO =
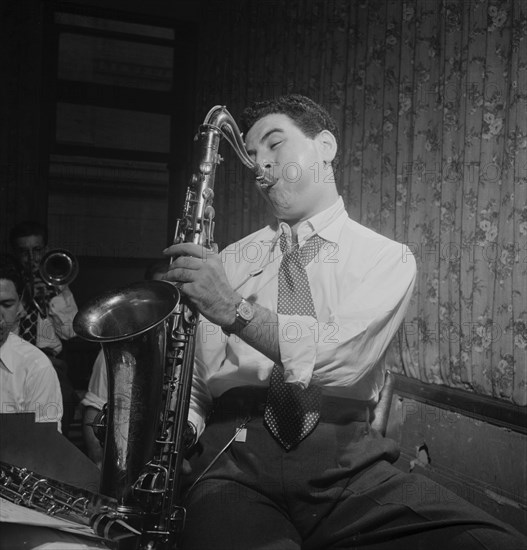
(296, 319)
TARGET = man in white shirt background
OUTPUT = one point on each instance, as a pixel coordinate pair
(28, 381)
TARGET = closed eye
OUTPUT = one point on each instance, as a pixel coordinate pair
(275, 144)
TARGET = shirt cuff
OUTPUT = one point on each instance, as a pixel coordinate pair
(197, 421)
(61, 301)
(298, 347)
(92, 400)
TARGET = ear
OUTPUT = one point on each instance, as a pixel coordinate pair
(327, 144)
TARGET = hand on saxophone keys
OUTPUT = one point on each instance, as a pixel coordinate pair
(200, 276)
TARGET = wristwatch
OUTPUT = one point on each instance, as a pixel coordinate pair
(244, 315)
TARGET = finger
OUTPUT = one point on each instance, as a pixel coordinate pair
(180, 275)
(186, 249)
(186, 262)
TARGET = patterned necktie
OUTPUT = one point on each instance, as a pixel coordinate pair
(28, 324)
(291, 412)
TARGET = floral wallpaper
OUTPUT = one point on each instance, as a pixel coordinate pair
(431, 97)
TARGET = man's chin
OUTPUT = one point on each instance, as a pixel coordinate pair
(281, 209)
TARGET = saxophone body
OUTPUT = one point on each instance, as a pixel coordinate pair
(147, 332)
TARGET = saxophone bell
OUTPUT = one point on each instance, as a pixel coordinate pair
(147, 331)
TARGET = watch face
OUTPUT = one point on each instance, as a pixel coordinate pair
(246, 311)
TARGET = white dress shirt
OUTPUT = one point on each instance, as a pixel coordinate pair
(58, 324)
(97, 394)
(361, 283)
(28, 381)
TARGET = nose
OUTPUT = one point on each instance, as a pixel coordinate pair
(267, 165)
(35, 257)
(264, 162)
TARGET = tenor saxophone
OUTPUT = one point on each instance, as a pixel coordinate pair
(147, 331)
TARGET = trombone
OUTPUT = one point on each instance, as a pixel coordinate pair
(57, 268)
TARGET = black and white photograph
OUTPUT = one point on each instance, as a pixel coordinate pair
(263, 275)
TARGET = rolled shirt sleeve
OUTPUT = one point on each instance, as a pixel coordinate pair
(97, 394)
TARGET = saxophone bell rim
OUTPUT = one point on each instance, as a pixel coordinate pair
(126, 312)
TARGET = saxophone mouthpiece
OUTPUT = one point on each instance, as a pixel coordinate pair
(265, 181)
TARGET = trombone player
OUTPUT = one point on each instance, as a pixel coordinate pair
(49, 308)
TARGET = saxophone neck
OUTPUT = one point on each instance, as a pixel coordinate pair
(219, 119)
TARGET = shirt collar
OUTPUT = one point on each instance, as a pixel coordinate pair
(326, 224)
(6, 353)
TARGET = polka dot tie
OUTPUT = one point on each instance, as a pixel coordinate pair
(291, 412)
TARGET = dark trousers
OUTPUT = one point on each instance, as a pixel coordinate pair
(337, 489)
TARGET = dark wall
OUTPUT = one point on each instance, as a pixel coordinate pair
(78, 218)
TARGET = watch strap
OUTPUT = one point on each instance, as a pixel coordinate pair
(241, 320)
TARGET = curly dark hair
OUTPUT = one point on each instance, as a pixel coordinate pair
(309, 116)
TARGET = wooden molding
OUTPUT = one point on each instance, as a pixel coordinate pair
(481, 407)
